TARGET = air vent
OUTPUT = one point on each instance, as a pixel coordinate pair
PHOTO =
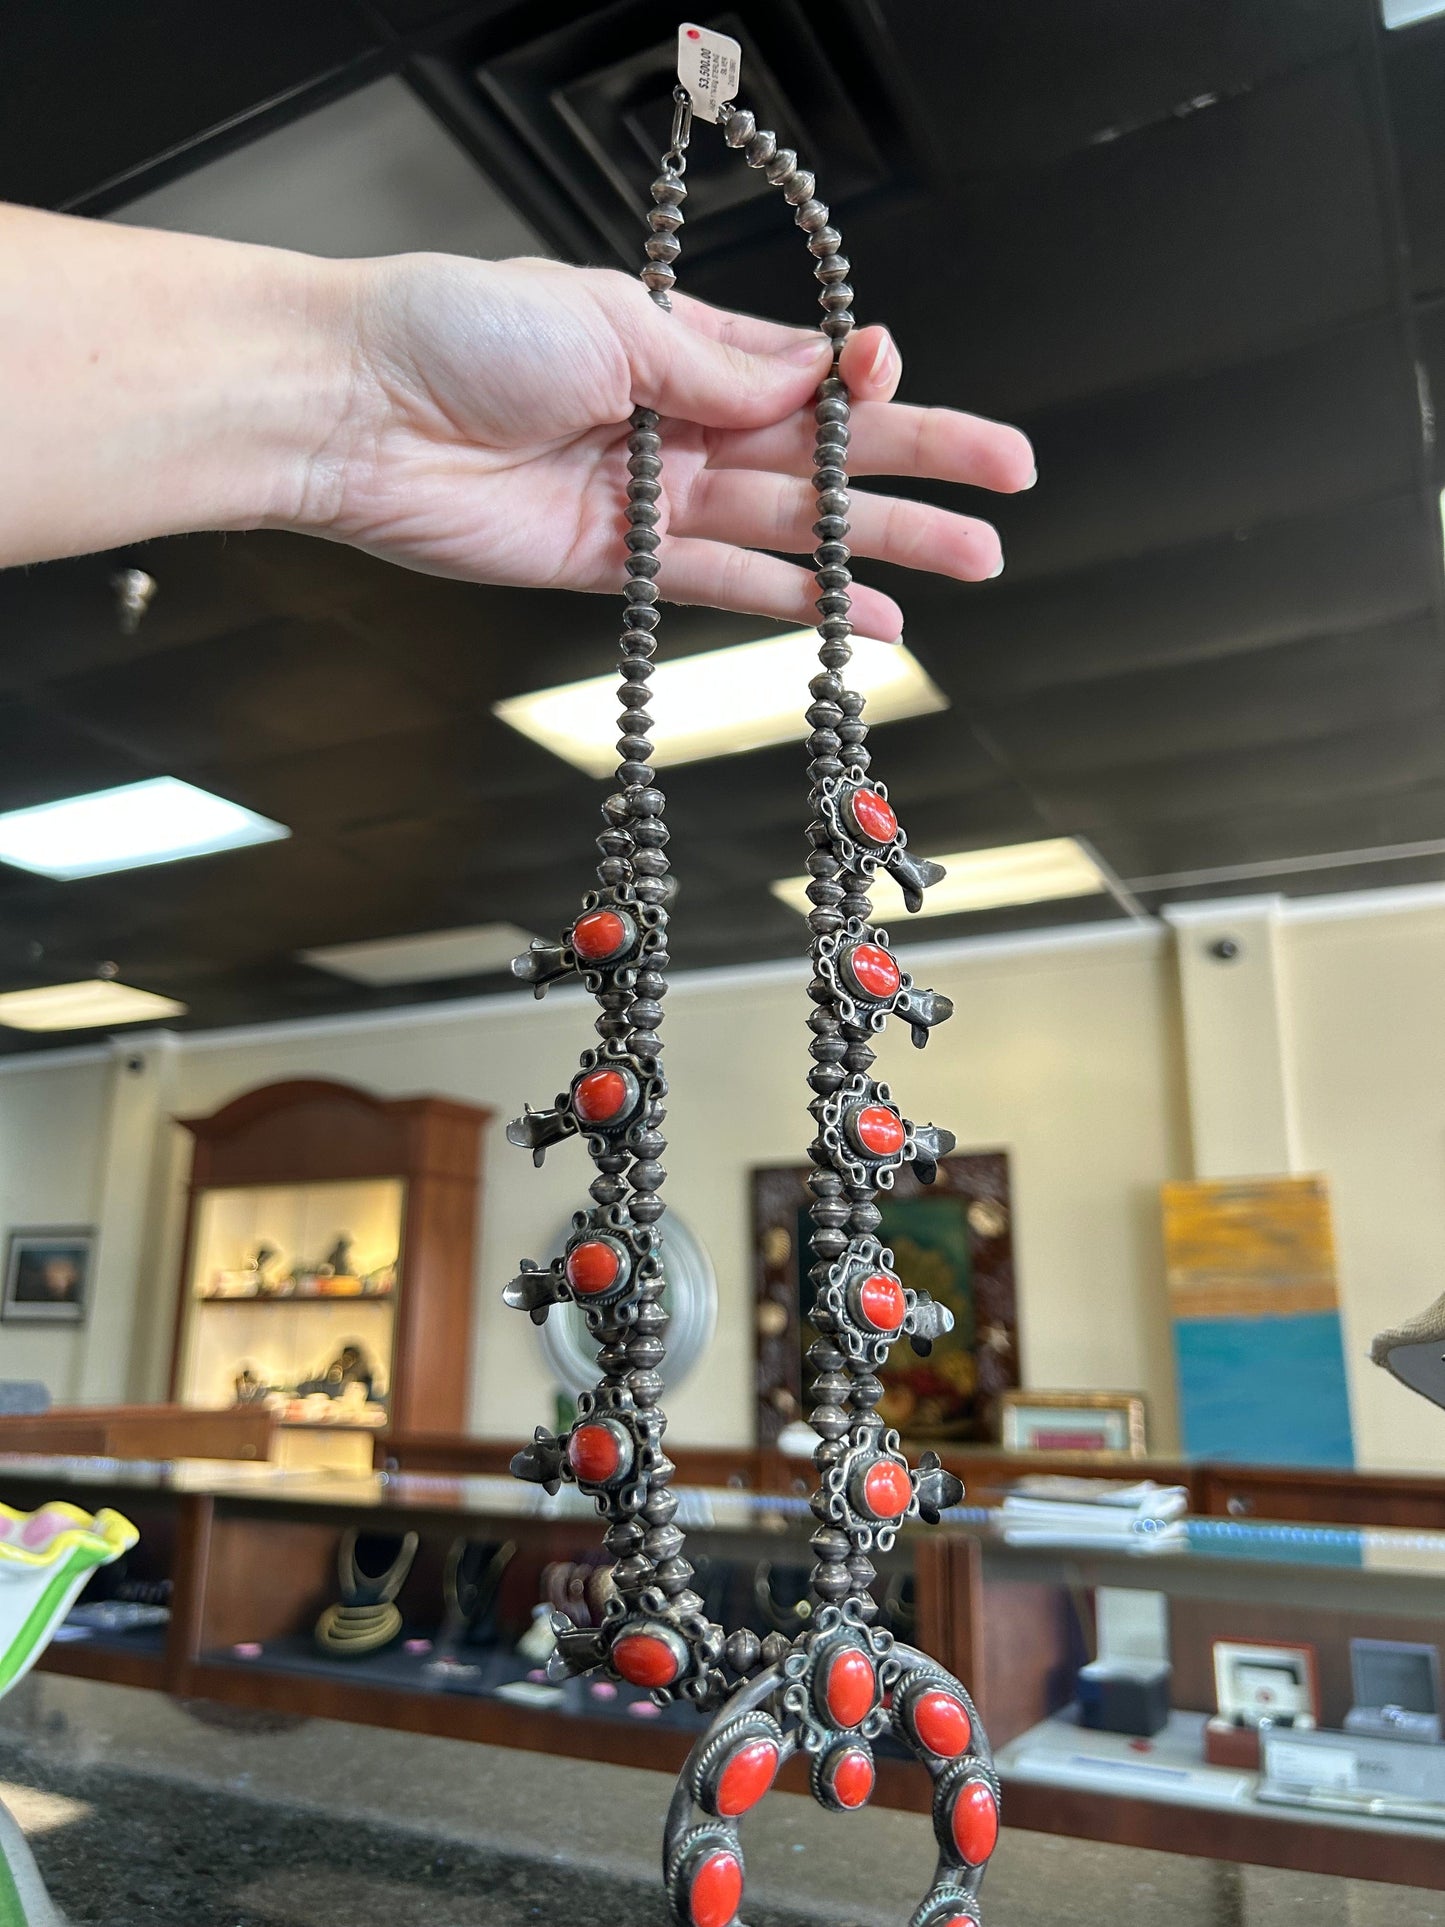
(591, 105)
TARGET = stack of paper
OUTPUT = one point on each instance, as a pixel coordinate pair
(1104, 1513)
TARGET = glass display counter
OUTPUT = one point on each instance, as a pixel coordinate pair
(253, 1557)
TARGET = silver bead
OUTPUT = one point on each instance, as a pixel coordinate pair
(664, 220)
(761, 148)
(833, 267)
(811, 216)
(837, 295)
(824, 240)
(668, 190)
(740, 128)
(800, 187)
(781, 165)
(658, 276)
(832, 408)
(663, 247)
(838, 327)
(833, 501)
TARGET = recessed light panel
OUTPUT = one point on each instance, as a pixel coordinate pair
(719, 703)
(94, 1004)
(1043, 872)
(157, 821)
(1409, 13)
(426, 958)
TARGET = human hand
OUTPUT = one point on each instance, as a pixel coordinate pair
(482, 433)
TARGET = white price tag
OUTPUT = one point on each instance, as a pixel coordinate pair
(708, 65)
(1314, 1766)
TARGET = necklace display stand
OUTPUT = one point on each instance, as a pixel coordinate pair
(832, 1688)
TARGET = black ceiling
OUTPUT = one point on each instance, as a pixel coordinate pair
(1198, 252)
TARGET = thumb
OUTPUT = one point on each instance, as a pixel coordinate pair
(680, 372)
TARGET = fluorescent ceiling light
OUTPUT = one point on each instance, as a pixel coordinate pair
(1408, 13)
(83, 1006)
(158, 821)
(719, 703)
(980, 880)
(425, 958)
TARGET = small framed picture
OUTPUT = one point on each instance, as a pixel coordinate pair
(1255, 1683)
(47, 1275)
(1110, 1423)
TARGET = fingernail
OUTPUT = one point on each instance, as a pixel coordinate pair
(805, 354)
(1033, 477)
(997, 569)
(884, 355)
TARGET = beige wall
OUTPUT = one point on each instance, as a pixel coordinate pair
(1365, 997)
(50, 1154)
(1066, 1053)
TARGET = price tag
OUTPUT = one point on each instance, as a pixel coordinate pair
(1331, 1767)
(708, 65)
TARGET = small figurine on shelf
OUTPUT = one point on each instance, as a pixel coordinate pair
(351, 1366)
(380, 1283)
(251, 1388)
(337, 1262)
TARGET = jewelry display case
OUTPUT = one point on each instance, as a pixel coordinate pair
(328, 1264)
(258, 1557)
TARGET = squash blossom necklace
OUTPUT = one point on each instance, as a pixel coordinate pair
(834, 1688)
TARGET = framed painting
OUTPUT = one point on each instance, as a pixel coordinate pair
(47, 1276)
(953, 1239)
(1109, 1422)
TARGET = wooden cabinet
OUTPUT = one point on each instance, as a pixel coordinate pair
(297, 1167)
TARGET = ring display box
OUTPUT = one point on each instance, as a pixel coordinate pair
(1396, 1690)
(1126, 1689)
(1258, 1686)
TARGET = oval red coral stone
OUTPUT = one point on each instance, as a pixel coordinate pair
(715, 1890)
(881, 1300)
(887, 1489)
(851, 1688)
(879, 1130)
(599, 935)
(594, 1453)
(874, 816)
(942, 1723)
(960, 1920)
(645, 1660)
(746, 1777)
(874, 970)
(592, 1266)
(852, 1778)
(600, 1096)
(975, 1822)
